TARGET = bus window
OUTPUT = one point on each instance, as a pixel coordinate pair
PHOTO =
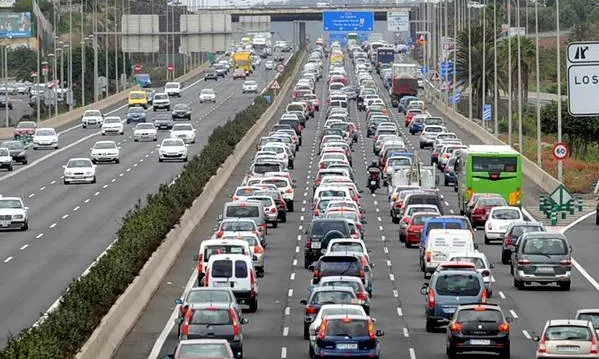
(494, 164)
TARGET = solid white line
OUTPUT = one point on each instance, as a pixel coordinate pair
(502, 295)
(8, 260)
(412, 353)
(514, 315)
(406, 333)
(283, 352)
(526, 334)
(25, 246)
(399, 312)
(285, 331)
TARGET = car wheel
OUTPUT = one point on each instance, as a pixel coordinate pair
(408, 244)
(185, 159)
(395, 220)
(307, 263)
(135, 140)
(290, 206)
(160, 160)
(154, 109)
(284, 218)
(56, 147)
(565, 285)
(505, 257)
(275, 224)
(253, 305)
(430, 325)
(94, 180)
(103, 134)
(94, 161)
(310, 350)
(25, 226)
(155, 139)
(518, 284)
(84, 126)
(122, 132)
(10, 168)
(446, 182)
(35, 148)
(306, 332)
(24, 162)
(117, 161)
(505, 353)
(65, 182)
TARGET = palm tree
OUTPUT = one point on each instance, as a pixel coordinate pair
(462, 62)
(527, 56)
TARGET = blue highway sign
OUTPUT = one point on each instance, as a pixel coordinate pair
(487, 116)
(348, 20)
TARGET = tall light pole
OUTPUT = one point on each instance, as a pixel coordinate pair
(116, 53)
(70, 94)
(560, 168)
(167, 42)
(95, 48)
(106, 48)
(539, 162)
(520, 137)
(83, 45)
(455, 50)
(60, 50)
(38, 48)
(495, 88)
(470, 63)
(4, 50)
(484, 84)
(509, 70)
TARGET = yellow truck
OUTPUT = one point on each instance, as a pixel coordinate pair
(138, 98)
(243, 60)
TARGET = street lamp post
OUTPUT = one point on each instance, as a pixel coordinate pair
(539, 161)
(484, 87)
(495, 89)
(70, 94)
(469, 65)
(5, 52)
(509, 69)
(520, 139)
(560, 168)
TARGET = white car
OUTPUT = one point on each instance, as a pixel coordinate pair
(482, 266)
(105, 151)
(184, 131)
(13, 213)
(331, 309)
(249, 86)
(113, 125)
(269, 65)
(45, 138)
(161, 101)
(92, 118)
(207, 95)
(145, 132)
(172, 149)
(172, 89)
(5, 159)
(498, 220)
(79, 170)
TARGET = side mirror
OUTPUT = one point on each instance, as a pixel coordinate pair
(230, 195)
(509, 320)
(373, 320)
(64, 166)
(311, 267)
(476, 246)
(27, 208)
(536, 339)
(91, 148)
(179, 301)
(254, 258)
(513, 249)
(369, 250)
(380, 333)
(304, 302)
(364, 221)
(424, 289)
(186, 145)
(170, 356)
(220, 217)
(491, 265)
(361, 191)
(119, 147)
(306, 232)
(244, 321)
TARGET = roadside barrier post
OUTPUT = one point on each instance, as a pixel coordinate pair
(553, 218)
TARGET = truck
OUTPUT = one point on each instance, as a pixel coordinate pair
(243, 60)
(259, 45)
(404, 82)
(384, 55)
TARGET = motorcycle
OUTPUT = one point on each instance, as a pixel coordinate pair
(373, 182)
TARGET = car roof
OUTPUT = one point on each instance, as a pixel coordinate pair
(201, 341)
(333, 288)
(568, 322)
(348, 316)
(216, 305)
(544, 235)
(458, 272)
(336, 278)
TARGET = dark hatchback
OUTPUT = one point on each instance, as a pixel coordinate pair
(17, 150)
(136, 114)
(319, 234)
(181, 111)
(211, 75)
(163, 122)
(336, 265)
(478, 328)
(342, 336)
(215, 321)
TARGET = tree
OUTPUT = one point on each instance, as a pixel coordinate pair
(22, 62)
(527, 57)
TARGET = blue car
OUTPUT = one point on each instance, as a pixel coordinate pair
(403, 103)
(416, 126)
(348, 336)
(449, 173)
(449, 289)
(136, 114)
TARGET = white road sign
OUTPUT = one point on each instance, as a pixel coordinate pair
(398, 21)
(583, 78)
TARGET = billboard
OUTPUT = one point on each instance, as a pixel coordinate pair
(398, 21)
(15, 25)
(348, 20)
(7, 3)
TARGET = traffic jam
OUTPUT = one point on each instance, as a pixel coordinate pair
(380, 176)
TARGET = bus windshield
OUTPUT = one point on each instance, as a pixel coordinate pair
(494, 164)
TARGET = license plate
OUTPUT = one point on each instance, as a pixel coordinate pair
(545, 269)
(5, 223)
(480, 341)
(347, 346)
(316, 245)
(449, 310)
(568, 349)
(220, 284)
(373, 183)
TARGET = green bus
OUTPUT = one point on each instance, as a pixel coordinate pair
(489, 169)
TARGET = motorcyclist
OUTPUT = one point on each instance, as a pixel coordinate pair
(373, 168)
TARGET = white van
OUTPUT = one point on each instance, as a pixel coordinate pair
(219, 246)
(442, 243)
(237, 272)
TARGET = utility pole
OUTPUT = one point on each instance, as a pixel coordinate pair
(560, 168)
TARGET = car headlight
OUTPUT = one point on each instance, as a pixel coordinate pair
(162, 152)
(18, 216)
(68, 173)
(89, 173)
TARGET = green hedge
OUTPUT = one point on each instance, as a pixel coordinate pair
(143, 229)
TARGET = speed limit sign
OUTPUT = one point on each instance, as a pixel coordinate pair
(561, 151)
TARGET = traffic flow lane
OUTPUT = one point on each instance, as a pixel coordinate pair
(155, 327)
(97, 227)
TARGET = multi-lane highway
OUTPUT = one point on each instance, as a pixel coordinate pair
(71, 225)
(275, 331)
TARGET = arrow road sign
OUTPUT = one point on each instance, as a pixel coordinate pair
(583, 52)
(561, 196)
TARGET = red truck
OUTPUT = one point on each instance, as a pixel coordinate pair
(404, 82)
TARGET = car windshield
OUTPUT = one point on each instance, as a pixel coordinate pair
(332, 297)
(160, 96)
(478, 262)
(506, 214)
(136, 110)
(79, 163)
(93, 113)
(211, 316)
(26, 124)
(202, 350)
(458, 285)
(104, 145)
(347, 328)
(207, 92)
(478, 315)
(568, 332)
(203, 296)
(520, 230)
(45, 133)
(112, 120)
(10, 203)
(545, 246)
(243, 211)
(172, 85)
(145, 126)
(182, 128)
(13, 145)
(238, 226)
(172, 143)
(181, 107)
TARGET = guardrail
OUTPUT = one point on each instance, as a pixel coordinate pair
(530, 169)
(123, 315)
(71, 116)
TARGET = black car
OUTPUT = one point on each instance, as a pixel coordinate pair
(478, 328)
(211, 75)
(279, 57)
(214, 321)
(163, 122)
(17, 150)
(319, 234)
(221, 70)
(182, 111)
(5, 102)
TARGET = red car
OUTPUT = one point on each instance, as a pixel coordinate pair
(25, 128)
(482, 207)
(415, 226)
(410, 115)
(239, 74)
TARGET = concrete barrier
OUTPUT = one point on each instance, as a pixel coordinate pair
(65, 118)
(530, 169)
(123, 315)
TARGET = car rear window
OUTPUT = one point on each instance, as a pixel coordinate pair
(241, 269)
(193, 350)
(266, 167)
(322, 227)
(222, 269)
(473, 315)
(211, 316)
(347, 247)
(354, 285)
(277, 182)
(341, 265)
(331, 193)
(241, 226)
(222, 249)
(458, 285)
(506, 214)
(423, 199)
(335, 297)
(347, 328)
(545, 246)
(478, 262)
(591, 317)
(203, 296)
(246, 211)
(520, 230)
(568, 332)
(492, 201)
(245, 192)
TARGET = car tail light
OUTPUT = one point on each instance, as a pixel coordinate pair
(594, 349)
(484, 296)
(398, 204)
(524, 262)
(185, 330)
(428, 256)
(316, 274)
(263, 227)
(322, 330)
(258, 250)
(406, 219)
(362, 296)
(431, 299)
(207, 279)
(479, 211)
(542, 347)
(456, 327)
(362, 274)
(235, 198)
(508, 240)
(447, 169)
(485, 273)
(490, 225)
(236, 324)
(371, 331)
(273, 210)
(504, 327)
(310, 309)
(289, 190)
(308, 242)
(316, 213)
(257, 233)
(252, 284)
(219, 234)
(566, 262)
(201, 263)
